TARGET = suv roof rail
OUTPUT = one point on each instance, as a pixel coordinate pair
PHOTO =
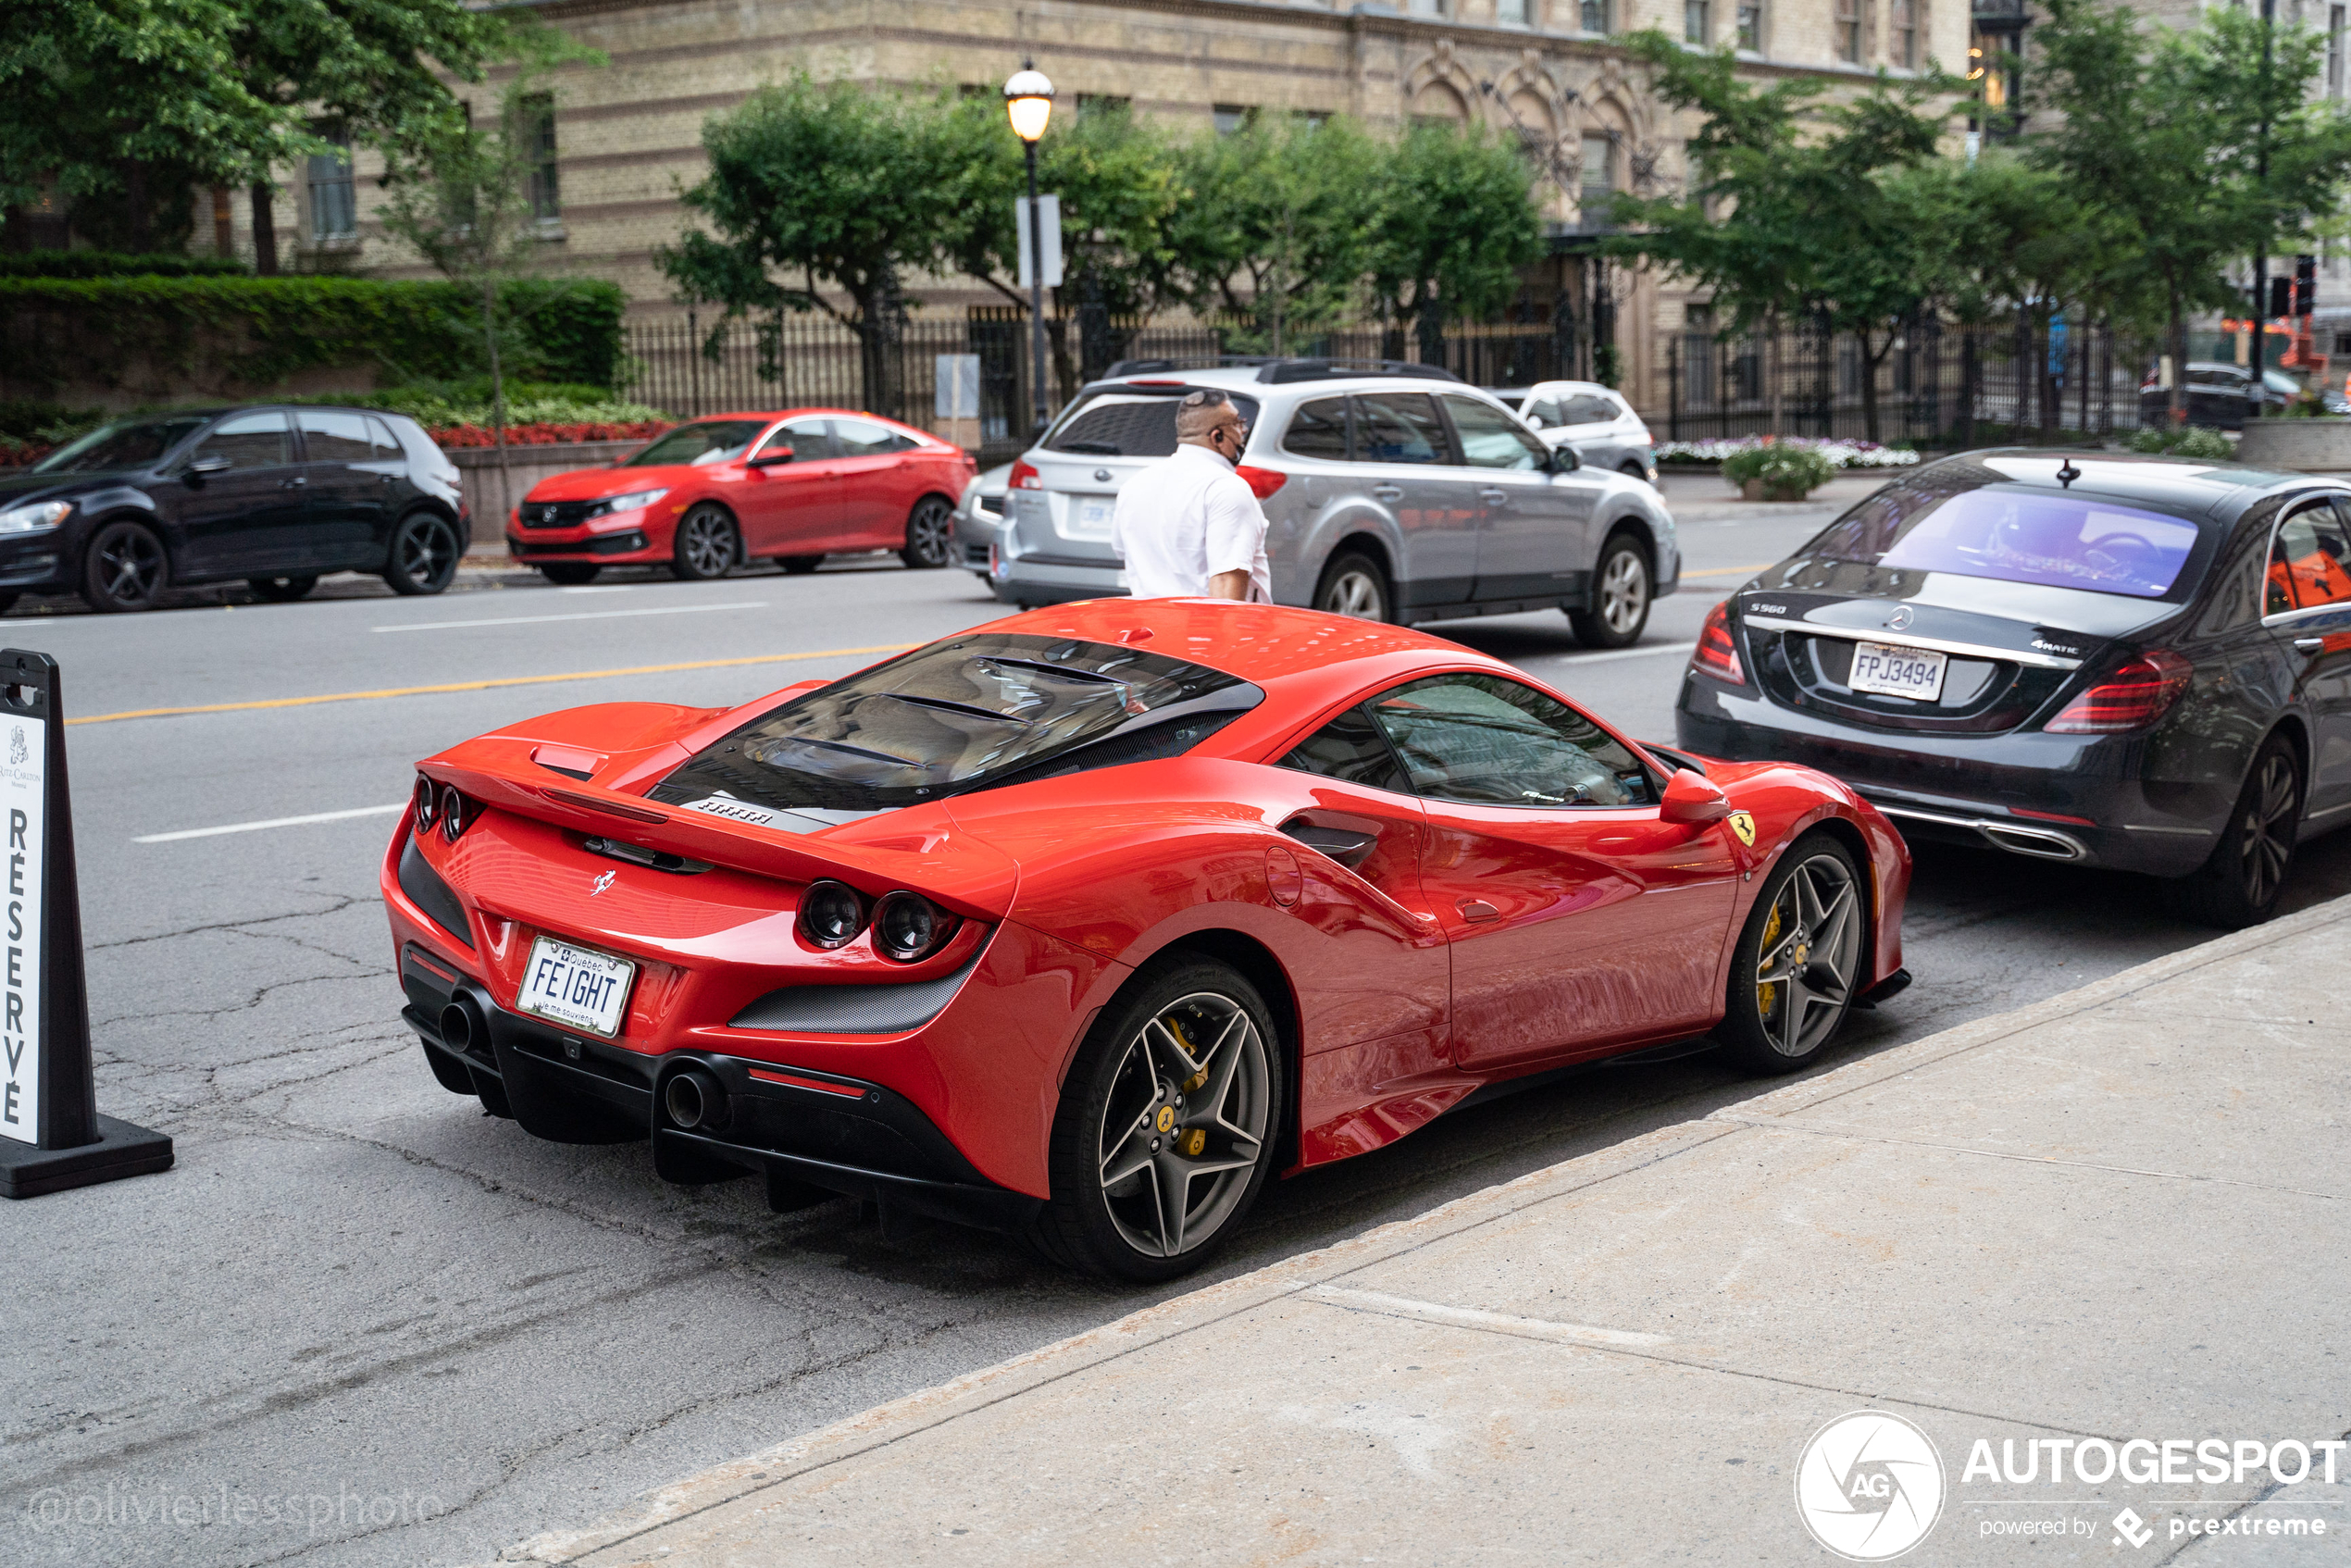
(1283, 371)
(1212, 362)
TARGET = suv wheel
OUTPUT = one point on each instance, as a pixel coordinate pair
(1620, 609)
(1354, 585)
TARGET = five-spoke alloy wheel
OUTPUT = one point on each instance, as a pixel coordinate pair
(424, 555)
(2241, 883)
(1353, 585)
(125, 568)
(1798, 962)
(1166, 1128)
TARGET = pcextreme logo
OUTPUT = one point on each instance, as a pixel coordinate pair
(1869, 1486)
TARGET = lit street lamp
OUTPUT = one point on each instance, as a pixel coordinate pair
(1028, 102)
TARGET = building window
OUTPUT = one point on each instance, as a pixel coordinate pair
(334, 205)
(1902, 49)
(1427, 7)
(1698, 22)
(1230, 117)
(1600, 173)
(2335, 51)
(1848, 33)
(1511, 13)
(1592, 16)
(1751, 27)
(1104, 104)
(538, 132)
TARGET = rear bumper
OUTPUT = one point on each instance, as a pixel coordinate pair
(1054, 579)
(791, 1125)
(2079, 799)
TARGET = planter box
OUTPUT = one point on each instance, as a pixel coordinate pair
(526, 466)
(1763, 489)
(2306, 446)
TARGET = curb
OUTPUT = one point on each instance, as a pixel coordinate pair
(912, 1413)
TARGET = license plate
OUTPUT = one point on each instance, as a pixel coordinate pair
(1894, 671)
(1091, 519)
(577, 988)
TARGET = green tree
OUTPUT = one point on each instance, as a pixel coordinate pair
(1454, 222)
(827, 185)
(460, 194)
(1277, 231)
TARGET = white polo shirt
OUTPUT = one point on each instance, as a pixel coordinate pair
(1184, 519)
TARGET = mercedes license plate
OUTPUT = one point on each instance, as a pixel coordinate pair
(1894, 671)
(1090, 518)
(577, 988)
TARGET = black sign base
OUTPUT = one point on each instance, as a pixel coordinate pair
(122, 1149)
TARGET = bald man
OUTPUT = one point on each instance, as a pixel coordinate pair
(1188, 526)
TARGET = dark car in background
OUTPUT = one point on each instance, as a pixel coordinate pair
(2216, 395)
(2135, 663)
(276, 496)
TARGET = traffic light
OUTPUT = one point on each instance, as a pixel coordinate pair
(2281, 297)
(2305, 284)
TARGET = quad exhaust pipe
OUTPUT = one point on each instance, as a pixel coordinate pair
(2042, 843)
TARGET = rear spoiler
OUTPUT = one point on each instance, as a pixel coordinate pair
(923, 849)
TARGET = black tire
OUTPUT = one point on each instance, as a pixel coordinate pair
(423, 559)
(1781, 1025)
(124, 568)
(1623, 590)
(1218, 1151)
(799, 566)
(570, 574)
(281, 589)
(1634, 471)
(708, 545)
(2240, 883)
(930, 533)
(1355, 584)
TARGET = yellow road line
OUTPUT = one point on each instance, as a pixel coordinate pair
(485, 685)
(1731, 571)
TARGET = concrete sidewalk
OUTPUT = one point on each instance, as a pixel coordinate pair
(2118, 1215)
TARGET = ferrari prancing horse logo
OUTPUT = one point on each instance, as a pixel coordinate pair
(1743, 825)
(605, 881)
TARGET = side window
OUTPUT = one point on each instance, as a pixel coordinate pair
(1491, 438)
(2313, 556)
(1489, 742)
(249, 441)
(329, 436)
(1318, 429)
(862, 438)
(1547, 410)
(1349, 749)
(387, 447)
(1398, 428)
(1585, 408)
(805, 437)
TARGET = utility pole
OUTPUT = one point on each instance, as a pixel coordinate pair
(2258, 396)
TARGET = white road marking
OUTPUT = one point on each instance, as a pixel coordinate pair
(1470, 1318)
(1623, 654)
(273, 822)
(579, 615)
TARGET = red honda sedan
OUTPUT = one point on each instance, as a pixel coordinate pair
(707, 497)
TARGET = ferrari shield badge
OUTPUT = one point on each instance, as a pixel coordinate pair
(1743, 823)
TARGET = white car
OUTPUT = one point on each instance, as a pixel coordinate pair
(1594, 419)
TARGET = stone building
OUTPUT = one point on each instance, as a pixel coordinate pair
(622, 140)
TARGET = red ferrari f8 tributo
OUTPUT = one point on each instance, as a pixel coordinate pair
(1082, 924)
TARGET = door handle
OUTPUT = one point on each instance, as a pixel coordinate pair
(1494, 497)
(294, 483)
(2312, 645)
(1388, 493)
(1478, 909)
(1348, 848)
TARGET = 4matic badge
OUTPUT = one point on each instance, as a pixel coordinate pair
(1869, 1486)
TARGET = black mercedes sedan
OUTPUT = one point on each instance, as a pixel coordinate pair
(277, 496)
(2141, 663)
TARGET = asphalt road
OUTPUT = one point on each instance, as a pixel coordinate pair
(363, 1323)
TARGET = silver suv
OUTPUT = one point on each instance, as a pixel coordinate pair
(1392, 492)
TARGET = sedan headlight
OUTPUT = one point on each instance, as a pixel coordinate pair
(629, 502)
(33, 518)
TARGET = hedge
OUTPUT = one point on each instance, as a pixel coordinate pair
(113, 264)
(177, 337)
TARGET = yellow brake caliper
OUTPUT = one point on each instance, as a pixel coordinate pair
(1191, 1143)
(1767, 993)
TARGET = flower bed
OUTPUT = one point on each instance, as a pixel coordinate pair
(548, 433)
(1841, 453)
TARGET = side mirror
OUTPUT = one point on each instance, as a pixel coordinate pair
(1563, 460)
(1535, 421)
(1690, 797)
(772, 456)
(213, 465)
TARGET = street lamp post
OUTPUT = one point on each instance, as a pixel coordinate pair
(1028, 102)
(2260, 394)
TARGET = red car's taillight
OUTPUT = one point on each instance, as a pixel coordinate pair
(1716, 654)
(2134, 696)
(1025, 477)
(1263, 483)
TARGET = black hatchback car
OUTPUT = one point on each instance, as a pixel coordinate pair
(277, 496)
(2136, 663)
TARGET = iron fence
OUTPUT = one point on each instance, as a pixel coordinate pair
(910, 369)
(1935, 384)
